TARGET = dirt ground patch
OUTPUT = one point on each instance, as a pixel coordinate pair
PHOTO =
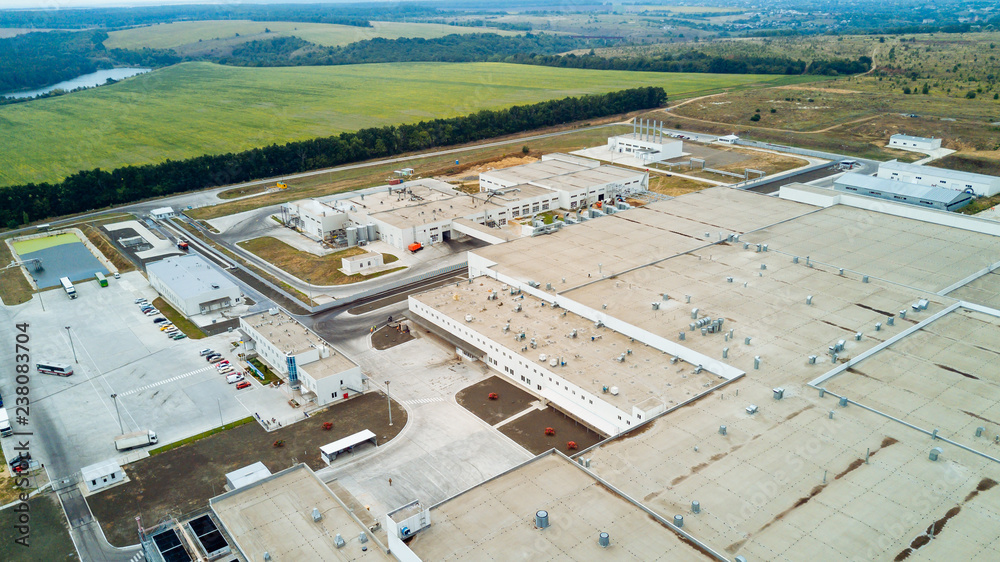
(319, 270)
(512, 400)
(529, 432)
(390, 335)
(673, 185)
(49, 539)
(99, 239)
(14, 288)
(184, 479)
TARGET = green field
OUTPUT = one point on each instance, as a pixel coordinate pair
(202, 108)
(185, 36)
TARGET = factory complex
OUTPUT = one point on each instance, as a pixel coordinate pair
(777, 379)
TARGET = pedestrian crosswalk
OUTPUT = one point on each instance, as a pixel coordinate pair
(139, 556)
(171, 379)
(416, 401)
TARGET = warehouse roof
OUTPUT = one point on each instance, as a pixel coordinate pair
(275, 515)
(585, 179)
(534, 171)
(497, 519)
(190, 276)
(941, 195)
(937, 172)
(291, 337)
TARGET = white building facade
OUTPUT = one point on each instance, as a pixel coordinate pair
(647, 148)
(979, 184)
(908, 142)
(192, 286)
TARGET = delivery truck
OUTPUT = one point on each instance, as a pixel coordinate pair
(135, 439)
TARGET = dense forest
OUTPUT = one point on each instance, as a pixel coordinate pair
(39, 59)
(34, 60)
(95, 189)
(283, 51)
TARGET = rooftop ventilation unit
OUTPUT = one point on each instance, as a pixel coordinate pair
(695, 507)
(604, 540)
(338, 541)
(316, 515)
(614, 390)
(752, 409)
(541, 519)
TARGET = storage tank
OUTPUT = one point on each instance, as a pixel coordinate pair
(362, 233)
(352, 237)
(371, 232)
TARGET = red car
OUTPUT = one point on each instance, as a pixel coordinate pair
(242, 385)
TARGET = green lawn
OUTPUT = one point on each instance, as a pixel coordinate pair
(185, 36)
(202, 108)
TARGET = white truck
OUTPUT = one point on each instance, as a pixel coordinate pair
(67, 286)
(5, 429)
(135, 439)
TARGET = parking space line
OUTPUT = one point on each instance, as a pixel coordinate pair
(171, 379)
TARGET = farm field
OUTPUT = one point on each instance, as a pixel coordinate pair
(202, 108)
(198, 36)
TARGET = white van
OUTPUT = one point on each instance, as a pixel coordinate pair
(234, 378)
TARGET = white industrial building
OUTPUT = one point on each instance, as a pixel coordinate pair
(647, 148)
(908, 142)
(361, 263)
(312, 368)
(979, 184)
(902, 192)
(162, 213)
(313, 218)
(574, 184)
(192, 286)
(102, 475)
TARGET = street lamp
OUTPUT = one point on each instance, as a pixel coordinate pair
(121, 428)
(73, 347)
(388, 401)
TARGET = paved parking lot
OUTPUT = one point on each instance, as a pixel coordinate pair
(162, 384)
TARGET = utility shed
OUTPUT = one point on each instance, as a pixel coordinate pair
(908, 142)
(246, 475)
(902, 192)
(103, 474)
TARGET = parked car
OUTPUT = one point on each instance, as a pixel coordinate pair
(20, 457)
(234, 378)
(213, 355)
(180, 336)
(205, 352)
(159, 320)
(153, 312)
(215, 359)
(228, 369)
(223, 364)
(140, 300)
(242, 385)
(117, 275)
(165, 327)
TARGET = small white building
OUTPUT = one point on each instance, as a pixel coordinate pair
(102, 475)
(162, 213)
(728, 139)
(192, 286)
(979, 184)
(247, 475)
(361, 263)
(907, 142)
(646, 148)
(312, 368)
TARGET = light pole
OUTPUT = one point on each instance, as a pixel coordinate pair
(388, 401)
(121, 428)
(73, 347)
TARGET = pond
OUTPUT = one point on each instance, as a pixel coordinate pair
(82, 81)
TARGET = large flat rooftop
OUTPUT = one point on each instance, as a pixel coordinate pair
(274, 515)
(637, 237)
(534, 171)
(496, 520)
(592, 356)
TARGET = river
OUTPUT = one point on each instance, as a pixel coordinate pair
(82, 81)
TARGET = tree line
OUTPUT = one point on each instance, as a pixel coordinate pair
(535, 49)
(95, 189)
